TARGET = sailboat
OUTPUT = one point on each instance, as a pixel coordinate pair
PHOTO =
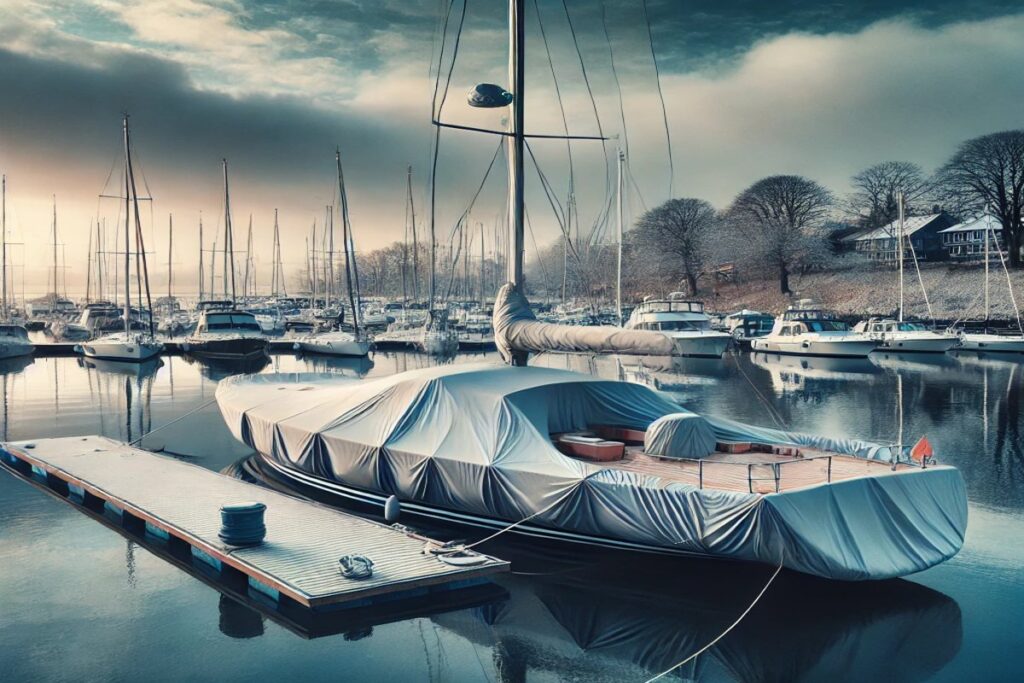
(128, 345)
(224, 332)
(339, 342)
(903, 336)
(986, 340)
(14, 340)
(574, 458)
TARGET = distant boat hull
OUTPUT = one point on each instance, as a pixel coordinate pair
(334, 344)
(992, 342)
(11, 347)
(133, 349)
(924, 344)
(859, 348)
(707, 345)
(235, 348)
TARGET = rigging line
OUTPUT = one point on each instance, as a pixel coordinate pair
(440, 58)
(767, 404)
(590, 93)
(661, 97)
(615, 76)
(920, 281)
(455, 54)
(540, 259)
(580, 268)
(558, 95)
(726, 632)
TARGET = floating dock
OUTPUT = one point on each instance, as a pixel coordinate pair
(297, 564)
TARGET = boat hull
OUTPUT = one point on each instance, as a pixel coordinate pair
(15, 348)
(992, 342)
(931, 343)
(336, 347)
(130, 351)
(241, 348)
(701, 346)
(836, 349)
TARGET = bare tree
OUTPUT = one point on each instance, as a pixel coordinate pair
(986, 175)
(783, 219)
(674, 238)
(873, 202)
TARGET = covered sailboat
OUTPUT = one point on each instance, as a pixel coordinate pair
(574, 458)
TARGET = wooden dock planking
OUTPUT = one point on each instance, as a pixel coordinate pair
(303, 542)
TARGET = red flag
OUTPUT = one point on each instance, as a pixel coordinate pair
(921, 450)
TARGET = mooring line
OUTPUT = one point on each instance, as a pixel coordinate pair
(724, 633)
(175, 420)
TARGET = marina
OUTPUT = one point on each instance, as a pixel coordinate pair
(597, 371)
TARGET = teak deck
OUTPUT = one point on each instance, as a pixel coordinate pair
(298, 559)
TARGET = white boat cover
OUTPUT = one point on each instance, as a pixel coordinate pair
(516, 328)
(680, 435)
(475, 438)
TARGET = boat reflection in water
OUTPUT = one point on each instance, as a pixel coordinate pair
(357, 366)
(625, 620)
(141, 370)
(793, 373)
(913, 362)
(672, 374)
(217, 369)
(14, 366)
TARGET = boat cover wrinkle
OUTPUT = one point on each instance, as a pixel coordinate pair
(476, 439)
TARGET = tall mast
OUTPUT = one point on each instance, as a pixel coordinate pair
(88, 269)
(141, 269)
(248, 258)
(55, 253)
(100, 251)
(127, 236)
(351, 273)
(483, 294)
(312, 270)
(229, 242)
(201, 273)
(516, 140)
(415, 242)
(170, 249)
(618, 221)
(3, 230)
(329, 264)
(988, 227)
(899, 250)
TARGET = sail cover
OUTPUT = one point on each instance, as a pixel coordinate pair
(476, 439)
(516, 328)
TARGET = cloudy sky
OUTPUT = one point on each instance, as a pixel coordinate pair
(752, 88)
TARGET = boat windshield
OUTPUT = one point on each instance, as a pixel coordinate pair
(911, 327)
(13, 331)
(826, 325)
(232, 321)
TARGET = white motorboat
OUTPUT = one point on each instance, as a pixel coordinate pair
(813, 332)
(334, 343)
(684, 322)
(125, 346)
(995, 343)
(226, 334)
(128, 345)
(905, 337)
(14, 341)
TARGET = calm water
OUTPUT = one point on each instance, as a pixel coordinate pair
(80, 602)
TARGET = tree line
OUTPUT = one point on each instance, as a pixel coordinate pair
(786, 224)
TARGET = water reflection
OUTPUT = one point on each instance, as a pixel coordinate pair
(811, 373)
(357, 366)
(217, 369)
(625, 620)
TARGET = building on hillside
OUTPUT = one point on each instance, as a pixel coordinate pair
(922, 233)
(966, 241)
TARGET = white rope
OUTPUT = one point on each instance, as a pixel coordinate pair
(175, 420)
(1009, 282)
(724, 633)
(920, 281)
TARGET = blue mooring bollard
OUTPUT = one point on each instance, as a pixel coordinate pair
(242, 524)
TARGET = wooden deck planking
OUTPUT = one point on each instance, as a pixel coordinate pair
(304, 539)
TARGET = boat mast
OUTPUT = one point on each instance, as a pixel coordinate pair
(312, 268)
(53, 306)
(483, 295)
(88, 270)
(248, 258)
(899, 250)
(170, 248)
(127, 236)
(330, 254)
(618, 262)
(141, 268)
(516, 148)
(415, 242)
(988, 227)
(3, 240)
(229, 243)
(201, 273)
(351, 274)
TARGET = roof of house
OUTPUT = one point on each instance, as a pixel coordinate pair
(911, 224)
(974, 224)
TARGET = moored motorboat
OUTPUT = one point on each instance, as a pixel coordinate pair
(227, 334)
(14, 341)
(810, 331)
(905, 336)
(334, 343)
(684, 322)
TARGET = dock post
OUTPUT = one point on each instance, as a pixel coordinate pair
(750, 477)
(829, 474)
(700, 474)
